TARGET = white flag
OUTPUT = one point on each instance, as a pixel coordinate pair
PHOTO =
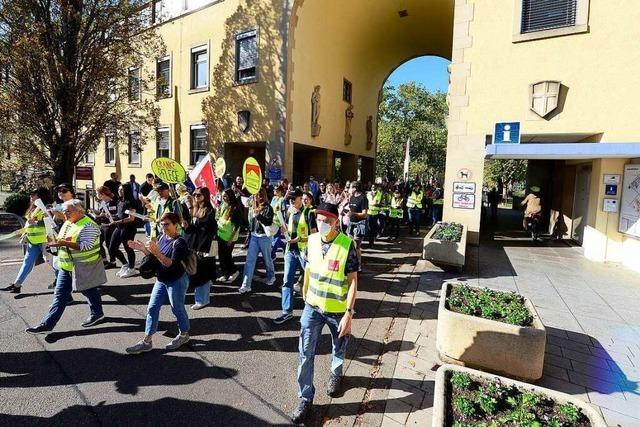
(407, 159)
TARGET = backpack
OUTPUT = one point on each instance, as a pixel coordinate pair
(190, 263)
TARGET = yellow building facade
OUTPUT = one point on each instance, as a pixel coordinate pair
(564, 74)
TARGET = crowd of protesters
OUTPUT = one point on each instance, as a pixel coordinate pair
(320, 228)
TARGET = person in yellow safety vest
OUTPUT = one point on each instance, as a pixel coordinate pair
(229, 217)
(396, 213)
(437, 205)
(163, 204)
(80, 266)
(376, 202)
(35, 234)
(298, 230)
(330, 289)
(415, 204)
(277, 203)
(309, 211)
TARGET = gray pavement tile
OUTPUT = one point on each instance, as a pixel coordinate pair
(397, 411)
(606, 387)
(553, 349)
(565, 387)
(555, 372)
(587, 358)
(614, 418)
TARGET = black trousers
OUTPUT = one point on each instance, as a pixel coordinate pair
(225, 253)
(120, 236)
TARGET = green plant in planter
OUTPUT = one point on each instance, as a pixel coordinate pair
(570, 411)
(461, 380)
(465, 406)
(448, 232)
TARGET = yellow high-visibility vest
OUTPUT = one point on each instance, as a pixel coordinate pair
(375, 202)
(302, 230)
(396, 209)
(415, 200)
(276, 204)
(66, 256)
(328, 285)
(36, 233)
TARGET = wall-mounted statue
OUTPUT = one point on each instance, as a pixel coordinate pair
(369, 132)
(348, 116)
(315, 112)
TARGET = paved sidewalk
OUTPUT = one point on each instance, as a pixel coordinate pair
(592, 314)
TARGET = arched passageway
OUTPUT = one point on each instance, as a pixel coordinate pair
(344, 51)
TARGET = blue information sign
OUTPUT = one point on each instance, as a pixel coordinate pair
(507, 133)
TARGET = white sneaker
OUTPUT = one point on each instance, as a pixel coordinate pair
(270, 282)
(177, 342)
(129, 272)
(122, 270)
(198, 306)
(245, 288)
(222, 279)
(233, 277)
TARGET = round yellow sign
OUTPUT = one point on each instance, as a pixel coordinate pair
(252, 175)
(168, 170)
(220, 167)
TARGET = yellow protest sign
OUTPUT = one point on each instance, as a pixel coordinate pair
(252, 175)
(220, 167)
(168, 170)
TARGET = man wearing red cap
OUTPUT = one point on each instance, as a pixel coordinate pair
(330, 295)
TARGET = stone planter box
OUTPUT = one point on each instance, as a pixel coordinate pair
(443, 252)
(440, 404)
(490, 345)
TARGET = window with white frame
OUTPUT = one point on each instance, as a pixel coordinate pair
(163, 77)
(134, 84)
(163, 142)
(88, 157)
(157, 11)
(536, 19)
(110, 149)
(199, 67)
(198, 139)
(134, 147)
(247, 57)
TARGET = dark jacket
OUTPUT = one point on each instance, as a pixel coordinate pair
(265, 217)
(204, 231)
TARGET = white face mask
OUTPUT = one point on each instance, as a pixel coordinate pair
(324, 229)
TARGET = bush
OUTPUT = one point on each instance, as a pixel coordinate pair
(507, 307)
(448, 232)
(17, 203)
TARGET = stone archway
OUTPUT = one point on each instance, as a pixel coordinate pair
(360, 41)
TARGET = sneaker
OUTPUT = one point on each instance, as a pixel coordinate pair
(301, 412)
(140, 347)
(233, 277)
(244, 289)
(271, 281)
(92, 320)
(122, 270)
(283, 318)
(12, 289)
(198, 306)
(222, 279)
(109, 265)
(333, 385)
(297, 288)
(40, 329)
(177, 342)
(128, 272)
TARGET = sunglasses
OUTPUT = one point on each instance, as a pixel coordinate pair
(198, 195)
(165, 224)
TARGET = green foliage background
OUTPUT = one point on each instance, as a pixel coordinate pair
(410, 111)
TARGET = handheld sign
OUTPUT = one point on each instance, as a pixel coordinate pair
(137, 215)
(252, 175)
(168, 170)
(220, 167)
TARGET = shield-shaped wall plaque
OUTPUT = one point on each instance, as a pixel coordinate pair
(544, 96)
(244, 120)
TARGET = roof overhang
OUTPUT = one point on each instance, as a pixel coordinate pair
(562, 151)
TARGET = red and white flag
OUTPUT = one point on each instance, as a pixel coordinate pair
(203, 176)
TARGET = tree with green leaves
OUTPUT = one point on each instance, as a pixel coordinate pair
(502, 174)
(411, 112)
(66, 77)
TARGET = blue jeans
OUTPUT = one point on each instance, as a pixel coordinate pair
(175, 292)
(258, 244)
(311, 324)
(201, 293)
(278, 243)
(436, 214)
(414, 219)
(30, 258)
(64, 287)
(292, 261)
(147, 228)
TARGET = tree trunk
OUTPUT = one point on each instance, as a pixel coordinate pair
(63, 165)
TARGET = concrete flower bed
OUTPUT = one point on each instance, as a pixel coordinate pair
(492, 345)
(443, 251)
(466, 396)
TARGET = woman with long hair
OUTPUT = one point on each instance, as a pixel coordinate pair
(104, 215)
(203, 230)
(171, 282)
(123, 229)
(260, 221)
(35, 235)
(229, 220)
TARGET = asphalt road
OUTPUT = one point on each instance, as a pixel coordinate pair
(238, 369)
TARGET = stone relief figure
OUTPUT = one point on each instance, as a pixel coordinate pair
(348, 116)
(369, 132)
(315, 112)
